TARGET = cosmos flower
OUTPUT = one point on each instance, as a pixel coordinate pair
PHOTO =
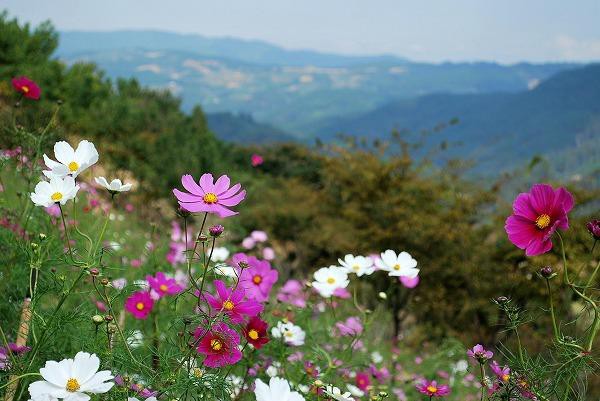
(277, 390)
(362, 381)
(210, 197)
(163, 285)
(71, 379)
(292, 293)
(259, 236)
(480, 354)
(58, 190)
(256, 332)
(26, 87)
(537, 214)
(69, 161)
(14, 350)
(350, 327)
(258, 278)
(114, 186)
(502, 373)
(231, 303)
(337, 394)
(593, 226)
(256, 160)
(329, 279)
(219, 344)
(358, 265)
(139, 304)
(432, 389)
(400, 265)
(219, 254)
(409, 282)
(291, 334)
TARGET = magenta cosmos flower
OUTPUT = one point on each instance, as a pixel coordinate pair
(350, 327)
(163, 285)
(26, 87)
(432, 389)
(258, 278)
(209, 196)
(232, 303)
(536, 216)
(502, 373)
(139, 304)
(219, 345)
(480, 354)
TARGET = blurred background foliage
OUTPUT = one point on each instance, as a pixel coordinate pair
(317, 203)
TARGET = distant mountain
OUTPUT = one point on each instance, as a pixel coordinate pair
(242, 128)
(250, 51)
(289, 89)
(496, 129)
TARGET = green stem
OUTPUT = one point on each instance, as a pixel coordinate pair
(552, 313)
(102, 232)
(483, 386)
(62, 215)
(16, 379)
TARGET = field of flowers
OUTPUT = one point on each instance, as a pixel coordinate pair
(98, 303)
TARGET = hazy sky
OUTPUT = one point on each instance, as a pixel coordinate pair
(431, 30)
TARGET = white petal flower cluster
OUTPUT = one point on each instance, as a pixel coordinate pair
(359, 265)
(61, 174)
(329, 279)
(399, 265)
(337, 394)
(71, 379)
(291, 334)
(278, 389)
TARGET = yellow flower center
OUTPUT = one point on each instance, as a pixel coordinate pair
(253, 334)
(197, 372)
(228, 305)
(215, 344)
(542, 221)
(330, 280)
(163, 287)
(257, 279)
(210, 198)
(356, 268)
(396, 267)
(288, 333)
(505, 377)
(57, 196)
(25, 89)
(73, 166)
(72, 385)
(139, 306)
(432, 389)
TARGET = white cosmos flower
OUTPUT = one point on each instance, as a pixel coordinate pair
(69, 161)
(71, 379)
(337, 394)
(329, 279)
(219, 254)
(58, 190)
(401, 265)
(225, 270)
(358, 265)
(376, 357)
(277, 390)
(114, 186)
(355, 391)
(291, 334)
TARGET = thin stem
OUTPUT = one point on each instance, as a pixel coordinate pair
(103, 230)
(16, 379)
(554, 325)
(482, 371)
(62, 215)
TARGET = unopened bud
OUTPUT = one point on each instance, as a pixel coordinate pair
(95, 272)
(216, 230)
(97, 319)
(502, 300)
(318, 383)
(547, 272)
(42, 236)
(104, 281)
(108, 318)
(202, 238)
(382, 295)
(34, 245)
(112, 328)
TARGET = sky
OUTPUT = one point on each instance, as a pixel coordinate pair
(505, 31)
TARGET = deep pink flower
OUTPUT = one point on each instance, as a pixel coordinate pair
(379, 374)
(409, 282)
(351, 327)
(209, 196)
(163, 285)
(536, 216)
(219, 345)
(26, 87)
(292, 293)
(15, 350)
(479, 353)
(432, 389)
(362, 381)
(231, 302)
(256, 332)
(593, 227)
(503, 373)
(256, 160)
(258, 278)
(139, 304)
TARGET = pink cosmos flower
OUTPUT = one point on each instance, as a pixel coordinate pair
(248, 243)
(432, 389)
(341, 293)
(136, 263)
(258, 236)
(209, 196)
(26, 87)
(219, 345)
(536, 216)
(292, 293)
(53, 210)
(268, 253)
(15, 350)
(139, 304)
(503, 373)
(379, 374)
(163, 285)
(258, 279)
(362, 381)
(231, 302)
(351, 327)
(479, 354)
(256, 160)
(409, 282)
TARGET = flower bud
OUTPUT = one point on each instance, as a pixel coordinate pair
(112, 328)
(546, 272)
(502, 300)
(318, 383)
(108, 318)
(95, 272)
(382, 295)
(42, 236)
(202, 238)
(104, 281)
(97, 319)
(243, 265)
(593, 227)
(216, 231)
(34, 245)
